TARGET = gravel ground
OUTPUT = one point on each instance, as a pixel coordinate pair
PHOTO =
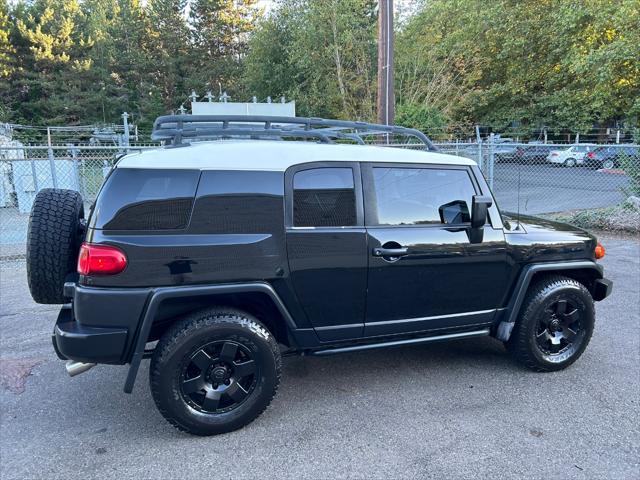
(462, 409)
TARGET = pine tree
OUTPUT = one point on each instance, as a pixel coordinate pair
(169, 63)
(52, 51)
(220, 35)
(7, 61)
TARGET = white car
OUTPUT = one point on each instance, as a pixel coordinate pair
(570, 157)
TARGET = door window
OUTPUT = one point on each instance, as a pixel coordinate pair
(324, 197)
(422, 196)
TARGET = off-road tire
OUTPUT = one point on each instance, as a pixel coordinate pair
(53, 242)
(176, 348)
(523, 345)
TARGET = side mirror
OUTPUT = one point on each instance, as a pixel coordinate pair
(479, 208)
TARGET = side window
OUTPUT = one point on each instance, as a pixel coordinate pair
(145, 199)
(422, 196)
(324, 197)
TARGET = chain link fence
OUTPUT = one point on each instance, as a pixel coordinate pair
(538, 179)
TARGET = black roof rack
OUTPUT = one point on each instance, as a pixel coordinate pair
(176, 128)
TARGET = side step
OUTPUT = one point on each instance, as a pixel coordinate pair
(399, 343)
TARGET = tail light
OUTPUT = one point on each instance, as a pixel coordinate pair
(554, 154)
(591, 155)
(599, 251)
(100, 260)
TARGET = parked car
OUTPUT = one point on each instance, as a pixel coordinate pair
(218, 258)
(570, 157)
(530, 154)
(611, 156)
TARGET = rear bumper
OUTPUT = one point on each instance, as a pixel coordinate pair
(601, 289)
(73, 341)
(99, 324)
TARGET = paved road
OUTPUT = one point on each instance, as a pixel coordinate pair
(544, 188)
(453, 410)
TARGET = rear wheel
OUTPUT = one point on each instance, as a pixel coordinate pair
(570, 162)
(555, 324)
(608, 164)
(215, 371)
(56, 225)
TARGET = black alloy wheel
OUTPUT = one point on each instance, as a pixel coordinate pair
(560, 332)
(555, 324)
(219, 377)
(215, 371)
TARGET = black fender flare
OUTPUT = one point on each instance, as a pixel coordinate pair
(160, 294)
(505, 327)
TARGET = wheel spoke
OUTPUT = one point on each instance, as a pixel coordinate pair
(202, 360)
(192, 385)
(543, 335)
(211, 401)
(569, 335)
(561, 307)
(236, 392)
(228, 353)
(244, 369)
(571, 317)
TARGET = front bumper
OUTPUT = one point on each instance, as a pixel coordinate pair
(601, 289)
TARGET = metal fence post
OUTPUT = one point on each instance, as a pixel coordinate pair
(492, 158)
(479, 143)
(52, 163)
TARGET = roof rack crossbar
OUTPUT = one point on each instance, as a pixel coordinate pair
(175, 128)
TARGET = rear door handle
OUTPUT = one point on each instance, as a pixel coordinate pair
(390, 252)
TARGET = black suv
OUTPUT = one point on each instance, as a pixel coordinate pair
(218, 256)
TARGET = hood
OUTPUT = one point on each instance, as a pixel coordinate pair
(541, 240)
(532, 224)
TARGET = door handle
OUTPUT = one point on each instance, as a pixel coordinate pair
(390, 252)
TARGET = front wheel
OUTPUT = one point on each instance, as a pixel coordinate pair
(570, 162)
(215, 371)
(555, 324)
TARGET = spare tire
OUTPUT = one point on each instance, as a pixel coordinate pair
(53, 240)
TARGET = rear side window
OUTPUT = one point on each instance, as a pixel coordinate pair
(422, 196)
(146, 199)
(324, 197)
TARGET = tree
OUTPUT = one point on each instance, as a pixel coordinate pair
(7, 60)
(322, 54)
(220, 34)
(564, 65)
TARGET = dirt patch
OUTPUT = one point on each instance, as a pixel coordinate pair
(14, 373)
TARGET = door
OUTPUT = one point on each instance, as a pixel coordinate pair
(327, 246)
(427, 269)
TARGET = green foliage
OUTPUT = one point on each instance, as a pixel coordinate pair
(631, 166)
(426, 119)
(85, 61)
(508, 64)
(322, 54)
(554, 63)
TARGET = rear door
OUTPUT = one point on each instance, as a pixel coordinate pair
(443, 275)
(327, 246)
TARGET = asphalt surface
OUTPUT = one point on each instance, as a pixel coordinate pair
(544, 188)
(456, 410)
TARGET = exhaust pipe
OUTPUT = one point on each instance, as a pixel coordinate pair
(76, 368)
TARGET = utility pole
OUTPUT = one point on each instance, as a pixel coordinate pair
(386, 96)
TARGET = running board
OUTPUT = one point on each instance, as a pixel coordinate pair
(400, 343)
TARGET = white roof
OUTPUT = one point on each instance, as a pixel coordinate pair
(275, 155)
